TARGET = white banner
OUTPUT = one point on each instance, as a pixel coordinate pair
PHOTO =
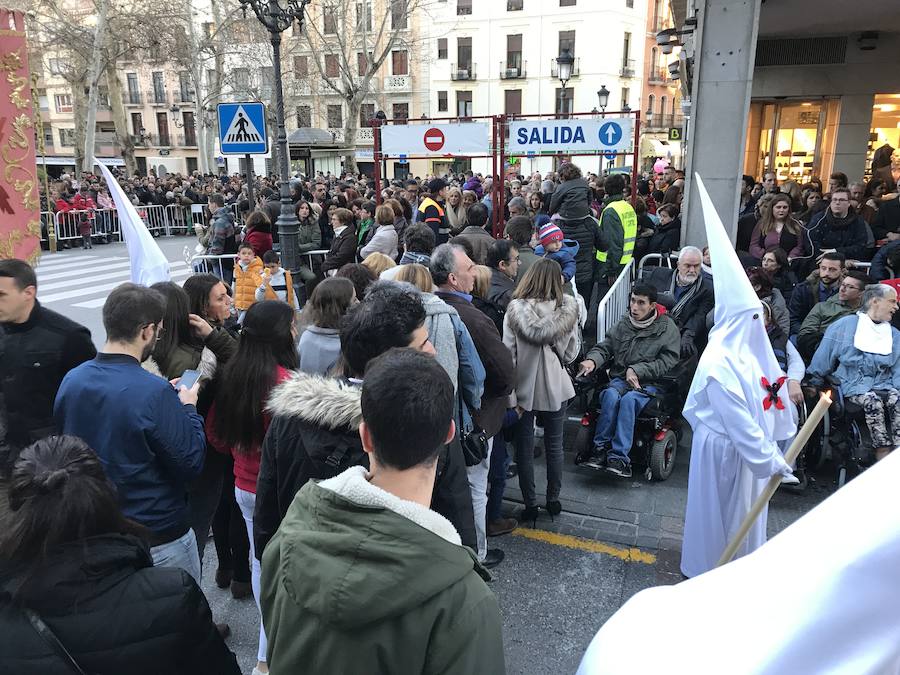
(436, 140)
(610, 134)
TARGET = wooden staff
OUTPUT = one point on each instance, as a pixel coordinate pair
(812, 421)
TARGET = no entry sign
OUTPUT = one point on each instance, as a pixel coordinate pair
(434, 139)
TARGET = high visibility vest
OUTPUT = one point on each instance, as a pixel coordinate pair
(628, 218)
(442, 228)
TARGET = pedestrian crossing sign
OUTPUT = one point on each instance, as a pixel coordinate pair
(242, 128)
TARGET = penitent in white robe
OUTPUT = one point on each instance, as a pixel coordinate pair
(821, 597)
(731, 462)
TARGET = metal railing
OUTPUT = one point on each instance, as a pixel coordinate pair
(513, 71)
(554, 68)
(614, 304)
(463, 72)
(658, 74)
(133, 98)
(627, 69)
(210, 264)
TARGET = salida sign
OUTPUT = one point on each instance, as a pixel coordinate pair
(570, 136)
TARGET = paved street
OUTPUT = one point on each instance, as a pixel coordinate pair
(560, 581)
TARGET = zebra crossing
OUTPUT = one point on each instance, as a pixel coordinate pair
(84, 281)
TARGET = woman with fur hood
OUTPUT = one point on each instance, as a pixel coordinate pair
(541, 330)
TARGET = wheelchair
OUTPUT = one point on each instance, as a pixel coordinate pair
(657, 429)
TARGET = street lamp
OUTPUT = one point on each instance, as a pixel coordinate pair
(649, 116)
(626, 108)
(603, 97)
(175, 110)
(276, 19)
(376, 123)
(564, 63)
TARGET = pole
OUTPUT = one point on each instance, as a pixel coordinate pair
(376, 125)
(634, 162)
(495, 221)
(501, 183)
(249, 161)
(812, 421)
(39, 123)
(287, 223)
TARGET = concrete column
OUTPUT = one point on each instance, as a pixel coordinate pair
(724, 57)
(852, 139)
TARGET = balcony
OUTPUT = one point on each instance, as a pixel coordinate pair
(365, 135)
(627, 69)
(186, 140)
(664, 121)
(554, 68)
(159, 98)
(397, 83)
(185, 96)
(136, 140)
(163, 141)
(106, 143)
(513, 70)
(133, 98)
(657, 75)
(463, 72)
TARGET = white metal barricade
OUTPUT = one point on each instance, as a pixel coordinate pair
(614, 304)
(179, 219)
(309, 257)
(154, 218)
(47, 221)
(659, 259)
(198, 215)
(214, 264)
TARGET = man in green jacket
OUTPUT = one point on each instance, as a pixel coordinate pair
(642, 347)
(362, 577)
(618, 231)
(846, 301)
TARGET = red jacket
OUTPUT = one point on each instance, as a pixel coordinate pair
(80, 203)
(246, 464)
(260, 241)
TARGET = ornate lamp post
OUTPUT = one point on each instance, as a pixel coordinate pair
(603, 98)
(564, 63)
(277, 19)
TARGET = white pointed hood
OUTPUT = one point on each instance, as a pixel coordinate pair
(738, 355)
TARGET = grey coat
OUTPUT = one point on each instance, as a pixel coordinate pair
(481, 241)
(542, 338)
(319, 350)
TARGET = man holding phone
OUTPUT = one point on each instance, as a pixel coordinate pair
(148, 435)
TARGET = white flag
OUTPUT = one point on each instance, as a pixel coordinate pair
(148, 264)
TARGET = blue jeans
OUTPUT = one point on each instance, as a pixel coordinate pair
(181, 552)
(553, 451)
(500, 462)
(619, 406)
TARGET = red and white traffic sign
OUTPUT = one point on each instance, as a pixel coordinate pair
(434, 139)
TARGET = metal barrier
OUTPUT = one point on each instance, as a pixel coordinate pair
(104, 222)
(179, 219)
(663, 260)
(614, 304)
(155, 219)
(309, 257)
(213, 264)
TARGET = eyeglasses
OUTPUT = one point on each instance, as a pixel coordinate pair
(850, 287)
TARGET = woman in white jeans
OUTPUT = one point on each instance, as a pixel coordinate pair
(237, 422)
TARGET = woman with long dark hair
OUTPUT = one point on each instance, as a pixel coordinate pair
(76, 569)
(237, 421)
(776, 227)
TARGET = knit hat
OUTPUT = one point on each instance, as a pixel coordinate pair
(549, 233)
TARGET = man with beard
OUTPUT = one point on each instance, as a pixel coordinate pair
(688, 296)
(818, 287)
(148, 435)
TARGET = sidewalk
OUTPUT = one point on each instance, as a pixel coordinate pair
(635, 512)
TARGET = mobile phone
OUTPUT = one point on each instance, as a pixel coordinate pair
(188, 378)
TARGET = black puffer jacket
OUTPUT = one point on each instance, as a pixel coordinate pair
(587, 233)
(113, 611)
(314, 434)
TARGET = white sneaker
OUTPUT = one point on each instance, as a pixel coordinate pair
(257, 671)
(790, 479)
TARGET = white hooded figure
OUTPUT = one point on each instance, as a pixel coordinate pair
(738, 408)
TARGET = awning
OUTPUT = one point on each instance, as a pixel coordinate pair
(658, 148)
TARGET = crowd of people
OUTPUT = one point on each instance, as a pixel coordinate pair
(340, 425)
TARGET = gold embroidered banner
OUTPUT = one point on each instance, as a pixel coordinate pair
(20, 215)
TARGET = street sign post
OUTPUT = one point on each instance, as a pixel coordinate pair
(242, 128)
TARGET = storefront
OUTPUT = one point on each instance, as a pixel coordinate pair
(885, 129)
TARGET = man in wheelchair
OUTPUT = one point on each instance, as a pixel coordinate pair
(642, 347)
(862, 351)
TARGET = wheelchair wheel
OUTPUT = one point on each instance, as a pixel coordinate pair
(662, 455)
(584, 443)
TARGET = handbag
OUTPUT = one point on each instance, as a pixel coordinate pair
(473, 440)
(52, 641)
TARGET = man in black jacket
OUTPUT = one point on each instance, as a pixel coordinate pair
(839, 229)
(314, 432)
(454, 274)
(817, 287)
(888, 219)
(37, 348)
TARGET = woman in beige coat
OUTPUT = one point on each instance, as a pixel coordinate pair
(541, 330)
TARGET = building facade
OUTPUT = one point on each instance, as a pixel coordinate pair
(661, 116)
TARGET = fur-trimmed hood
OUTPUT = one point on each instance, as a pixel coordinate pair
(540, 322)
(323, 401)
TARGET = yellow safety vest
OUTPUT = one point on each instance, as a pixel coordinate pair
(628, 218)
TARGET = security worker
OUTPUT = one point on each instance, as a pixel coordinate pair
(431, 210)
(618, 230)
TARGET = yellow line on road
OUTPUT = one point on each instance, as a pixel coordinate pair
(627, 554)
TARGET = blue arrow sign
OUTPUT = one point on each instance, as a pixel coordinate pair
(610, 133)
(609, 155)
(242, 128)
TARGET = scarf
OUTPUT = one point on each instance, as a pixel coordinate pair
(871, 337)
(644, 323)
(688, 295)
(834, 221)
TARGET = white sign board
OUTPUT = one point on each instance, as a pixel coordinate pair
(611, 134)
(435, 140)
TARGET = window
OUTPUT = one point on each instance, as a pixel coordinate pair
(512, 101)
(329, 20)
(331, 65)
(442, 48)
(159, 87)
(626, 49)
(626, 94)
(133, 87)
(362, 63)
(442, 101)
(662, 108)
(48, 135)
(567, 41)
(190, 130)
(363, 16)
(400, 62)
(242, 32)
(464, 104)
(241, 79)
(564, 101)
(629, 4)
(398, 14)
(67, 138)
(567, 3)
(463, 7)
(162, 123)
(514, 52)
(184, 86)
(63, 103)
(57, 66)
(366, 113)
(464, 53)
(651, 99)
(301, 66)
(304, 116)
(400, 111)
(137, 123)
(514, 5)
(335, 116)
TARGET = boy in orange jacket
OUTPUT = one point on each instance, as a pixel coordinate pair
(248, 272)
